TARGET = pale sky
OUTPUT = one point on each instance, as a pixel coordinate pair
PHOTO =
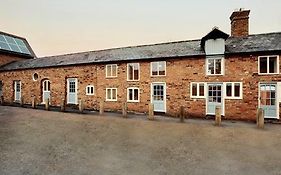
(55, 27)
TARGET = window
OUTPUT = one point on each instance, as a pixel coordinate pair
(215, 65)
(268, 65)
(89, 90)
(35, 77)
(158, 68)
(111, 70)
(233, 90)
(111, 94)
(133, 72)
(133, 95)
(72, 86)
(197, 90)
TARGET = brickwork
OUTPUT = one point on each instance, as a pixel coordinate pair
(5, 59)
(180, 72)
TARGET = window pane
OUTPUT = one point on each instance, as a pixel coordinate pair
(218, 66)
(108, 70)
(136, 94)
(114, 94)
(263, 64)
(201, 89)
(211, 64)
(130, 73)
(272, 64)
(154, 68)
(162, 68)
(108, 94)
(228, 90)
(136, 74)
(114, 70)
(237, 89)
(194, 89)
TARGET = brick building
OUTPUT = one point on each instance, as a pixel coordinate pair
(239, 73)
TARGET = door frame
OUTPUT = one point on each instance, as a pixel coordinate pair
(76, 90)
(43, 101)
(222, 97)
(277, 96)
(151, 94)
(15, 91)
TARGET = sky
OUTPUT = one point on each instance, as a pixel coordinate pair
(55, 27)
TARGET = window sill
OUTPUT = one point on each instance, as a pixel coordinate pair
(111, 100)
(268, 73)
(214, 74)
(233, 98)
(110, 77)
(131, 101)
(133, 80)
(90, 94)
(193, 97)
(155, 76)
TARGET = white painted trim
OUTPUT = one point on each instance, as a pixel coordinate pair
(106, 99)
(110, 65)
(88, 93)
(165, 98)
(267, 56)
(197, 84)
(15, 90)
(76, 90)
(133, 88)
(158, 69)
(233, 89)
(222, 97)
(43, 101)
(222, 65)
(133, 72)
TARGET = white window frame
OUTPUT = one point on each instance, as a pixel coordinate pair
(158, 68)
(233, 90)
(110, 66)
(111, 94)
(198, 90)
(267, 56)
(89, 93)
(222, 65)
(133, 71)
(133, 88)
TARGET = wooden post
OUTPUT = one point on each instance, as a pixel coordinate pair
(181, 114)
(260, 118)
(218, 116)
(62, 105)
(81, 106)
(47, 104)
(33, 103)
(125, 110)
(101, 107)
(151, 112)
(1, 100)
(21, 102)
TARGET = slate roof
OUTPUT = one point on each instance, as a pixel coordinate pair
(249, 44)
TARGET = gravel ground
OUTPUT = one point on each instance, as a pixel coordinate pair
(41, 142)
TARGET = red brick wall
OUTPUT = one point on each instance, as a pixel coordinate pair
(5, 59)
(180, 72)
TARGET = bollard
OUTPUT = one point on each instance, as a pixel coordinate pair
(62, 105)
(33, 103)
(21, 102)
(125, 110)
(151, 112)
(81, 106)
(47, 104)
(181, 114)
(260, 118)
(1, 100)
(218, 116)
(101, 107)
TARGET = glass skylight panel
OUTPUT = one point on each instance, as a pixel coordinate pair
(13, 44)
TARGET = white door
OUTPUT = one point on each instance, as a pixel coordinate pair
(17, 89)
(72, 91)
(158, 96)
(214, 98)
(46, 85)
(268, 100)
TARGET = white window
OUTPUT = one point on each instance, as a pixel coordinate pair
(158, 68)
(133, 94)
(215, 65)
(111, 94)
(268, 64)
(90, 90)
(233, 90)
(111, 70)
(197, 90)
(133, 72)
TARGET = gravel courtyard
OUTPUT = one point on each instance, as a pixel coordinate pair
(41, 142)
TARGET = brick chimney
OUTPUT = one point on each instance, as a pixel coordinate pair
(240, 23)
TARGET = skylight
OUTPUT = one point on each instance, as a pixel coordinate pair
(13, 44)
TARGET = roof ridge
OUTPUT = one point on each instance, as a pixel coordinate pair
(12, 35)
